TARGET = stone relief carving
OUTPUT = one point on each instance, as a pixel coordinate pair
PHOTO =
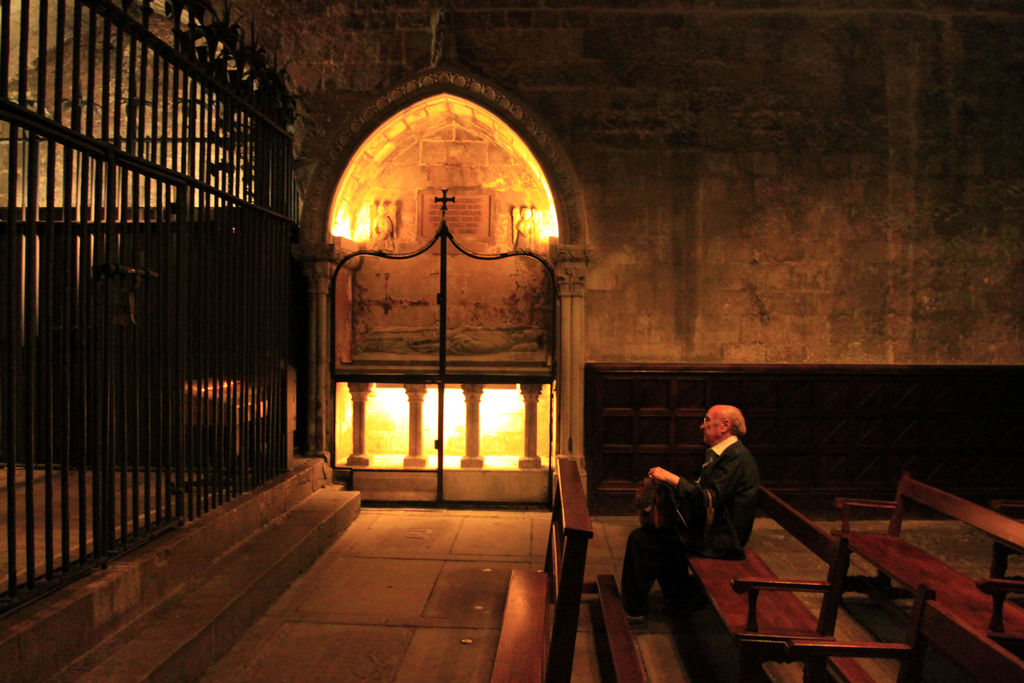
(383, 231)
(462, 341)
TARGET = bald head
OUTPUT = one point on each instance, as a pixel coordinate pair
(732, 415)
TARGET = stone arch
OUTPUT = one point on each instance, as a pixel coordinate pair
(315, 218)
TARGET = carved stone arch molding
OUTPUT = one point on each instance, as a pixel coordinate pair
(554, 162)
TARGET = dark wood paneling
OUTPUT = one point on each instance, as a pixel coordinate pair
(817, 431)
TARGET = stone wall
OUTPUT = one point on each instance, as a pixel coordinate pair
(805, 182)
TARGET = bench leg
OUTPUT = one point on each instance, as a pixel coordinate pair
(815, 670)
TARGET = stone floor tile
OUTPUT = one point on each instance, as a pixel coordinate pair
(493, 536)
(470, 593)
(449, 655)
(316, 652)
(383, 587)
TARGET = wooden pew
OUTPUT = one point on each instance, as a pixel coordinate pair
(929, 624)
(980, 604)
(539, 625)
(1001, 553)
(761, 610)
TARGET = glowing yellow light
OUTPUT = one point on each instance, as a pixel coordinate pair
(387, 426)
(361, 233)
(372, 160)
(342, 225)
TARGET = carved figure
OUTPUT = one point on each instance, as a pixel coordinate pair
(525, 228)
(384, 228)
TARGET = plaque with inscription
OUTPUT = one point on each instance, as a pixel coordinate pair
(468, 217)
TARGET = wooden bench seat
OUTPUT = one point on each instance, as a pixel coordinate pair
(538, 631)
(979, 603)
(762, 611)
(523, 629)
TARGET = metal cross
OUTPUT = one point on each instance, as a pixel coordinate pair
(444, 199)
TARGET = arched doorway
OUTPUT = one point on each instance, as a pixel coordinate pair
(444, 342)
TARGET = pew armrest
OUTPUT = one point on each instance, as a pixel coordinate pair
(804, 648)
(992, 586)
(847, 504)
(752, 586)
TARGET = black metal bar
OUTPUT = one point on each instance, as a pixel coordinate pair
(23, 53)
(181, 380)
(45, 313)
(111, 380)
(60, 407)
(442, 351)
(13, 365)
(5, 46)
(31, 332)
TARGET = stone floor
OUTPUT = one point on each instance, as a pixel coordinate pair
(414, 595)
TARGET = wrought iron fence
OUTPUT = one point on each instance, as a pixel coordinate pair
(148, 205)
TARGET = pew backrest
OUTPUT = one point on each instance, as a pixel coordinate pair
(982, 656)
(568, 538)
(1008, 531)
(813, 537)
(831, 549)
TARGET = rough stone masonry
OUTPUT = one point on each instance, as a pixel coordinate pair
(806, 181)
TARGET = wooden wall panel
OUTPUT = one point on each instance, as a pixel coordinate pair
(817, 431)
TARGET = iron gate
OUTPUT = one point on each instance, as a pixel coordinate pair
(442, 373)
(148, 206)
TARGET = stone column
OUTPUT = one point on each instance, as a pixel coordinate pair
(570, 274)
(317, 266)
(473, 393)
(415, 393)
(359, 391)
(530, 459)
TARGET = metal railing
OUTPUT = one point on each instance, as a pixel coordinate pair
(148, 205)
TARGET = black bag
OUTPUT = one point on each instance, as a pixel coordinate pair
(656, 505)
(691, 517)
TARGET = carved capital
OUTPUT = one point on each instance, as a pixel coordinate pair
(570, 270)
(360, 391)
(415, 392)
(472, 393)
(530, 392)
(318, 276)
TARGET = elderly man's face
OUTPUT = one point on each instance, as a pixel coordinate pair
(715, 427)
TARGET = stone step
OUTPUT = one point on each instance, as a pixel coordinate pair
(188, 631)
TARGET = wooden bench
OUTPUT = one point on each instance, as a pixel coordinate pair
(980, 604)
(929, 623)
(1000, 552)
(539, 625)
(762, 611)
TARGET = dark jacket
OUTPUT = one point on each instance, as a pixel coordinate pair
(722, 504)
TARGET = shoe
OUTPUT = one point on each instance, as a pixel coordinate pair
(636, 619)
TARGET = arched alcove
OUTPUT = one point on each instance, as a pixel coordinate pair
(316, 219)
(385, 197)
(373, 190)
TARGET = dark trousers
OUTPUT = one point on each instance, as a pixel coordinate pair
(654, 555)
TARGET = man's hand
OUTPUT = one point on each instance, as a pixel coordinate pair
(661, 474)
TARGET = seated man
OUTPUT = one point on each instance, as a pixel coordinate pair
(716, 515)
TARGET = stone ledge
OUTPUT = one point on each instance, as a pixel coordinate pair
(186, 633)
(41, 638)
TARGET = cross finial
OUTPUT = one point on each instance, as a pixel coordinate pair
(444, 199)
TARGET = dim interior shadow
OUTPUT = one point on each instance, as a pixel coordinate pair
(880, 623)
(705, 647)
(709, 655)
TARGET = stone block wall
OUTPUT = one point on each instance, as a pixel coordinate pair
(807, 181)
